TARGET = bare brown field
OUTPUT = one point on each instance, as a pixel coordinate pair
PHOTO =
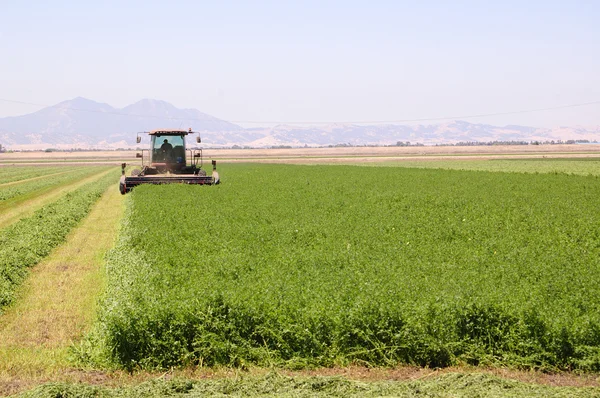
(401, 152)
(319, 155)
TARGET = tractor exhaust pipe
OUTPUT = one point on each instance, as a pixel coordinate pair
(123, 165)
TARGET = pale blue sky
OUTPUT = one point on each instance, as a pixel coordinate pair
(309, 60)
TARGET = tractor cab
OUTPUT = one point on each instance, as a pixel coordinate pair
(168, 149)
(168, 153)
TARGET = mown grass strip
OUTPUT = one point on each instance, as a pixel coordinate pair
(23, 206)
(18, 192)
(10, 174)
(30, 179)
(57, 301)
(273, 384)
(28, 241)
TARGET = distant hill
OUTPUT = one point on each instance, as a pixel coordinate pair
(446, 133)
(83, 123)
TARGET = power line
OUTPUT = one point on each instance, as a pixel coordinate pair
(430, 119)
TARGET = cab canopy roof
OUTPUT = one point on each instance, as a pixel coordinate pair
(170, 132)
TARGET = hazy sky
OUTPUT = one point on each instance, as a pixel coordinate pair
(309, 60)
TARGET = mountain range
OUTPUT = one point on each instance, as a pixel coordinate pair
(86, 124)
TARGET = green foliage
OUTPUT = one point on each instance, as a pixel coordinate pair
(301, 266)
(28, 241)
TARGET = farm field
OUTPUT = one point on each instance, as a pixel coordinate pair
(22, 189)
(298, 267)
(575, 166)
(24, 197)
(24, 243)
(10, 175)
(343, 264)
(56, 301)
(318, 155)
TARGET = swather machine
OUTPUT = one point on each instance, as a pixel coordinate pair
(168, 161)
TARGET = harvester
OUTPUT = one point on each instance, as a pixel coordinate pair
(168, 161)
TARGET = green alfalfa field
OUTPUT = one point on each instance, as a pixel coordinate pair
(303, 266)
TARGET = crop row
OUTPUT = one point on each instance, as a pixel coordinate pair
(40, 185)
(17, 173)
(301, 265)
(28, 241)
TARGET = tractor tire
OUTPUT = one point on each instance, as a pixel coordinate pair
(202, 173)
(135, 172)
(122, 188)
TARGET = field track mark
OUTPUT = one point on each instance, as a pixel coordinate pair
(17, 182)
(57, 302)
(17, 211)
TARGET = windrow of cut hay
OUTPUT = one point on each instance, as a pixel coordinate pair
(27, 188)
(277, 385)
(302, 265)
(10, 174)
(27, 242)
